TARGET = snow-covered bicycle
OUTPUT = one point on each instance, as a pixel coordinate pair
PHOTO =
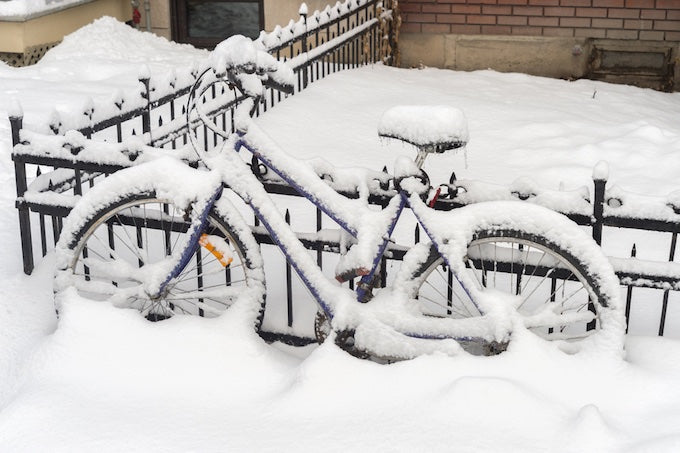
(164, 239)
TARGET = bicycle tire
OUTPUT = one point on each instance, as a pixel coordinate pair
(531, 266)
(119, 244)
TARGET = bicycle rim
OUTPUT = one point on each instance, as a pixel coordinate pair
(546, 281)
(119, 252)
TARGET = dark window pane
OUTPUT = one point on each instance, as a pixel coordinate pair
(223, 19)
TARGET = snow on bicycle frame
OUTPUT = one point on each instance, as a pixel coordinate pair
(430, 129)
(467, 245)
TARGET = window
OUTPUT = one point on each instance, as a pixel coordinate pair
(204, 23)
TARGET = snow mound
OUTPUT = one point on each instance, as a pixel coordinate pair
(107, 38)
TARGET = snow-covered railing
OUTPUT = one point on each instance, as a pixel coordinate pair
(342, 36)
(53, 194)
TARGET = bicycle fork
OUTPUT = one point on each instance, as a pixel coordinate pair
(197, 226)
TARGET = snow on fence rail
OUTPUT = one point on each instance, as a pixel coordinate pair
(152, 121)
(344, 36)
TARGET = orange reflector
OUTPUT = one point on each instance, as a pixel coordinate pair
(204, 241)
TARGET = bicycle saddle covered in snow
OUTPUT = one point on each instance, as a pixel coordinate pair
(431, 128)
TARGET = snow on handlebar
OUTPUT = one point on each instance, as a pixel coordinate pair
(248, 65)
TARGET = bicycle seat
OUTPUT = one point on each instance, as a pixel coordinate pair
(431, 128)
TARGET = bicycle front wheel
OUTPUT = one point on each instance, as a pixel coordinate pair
(128, 241)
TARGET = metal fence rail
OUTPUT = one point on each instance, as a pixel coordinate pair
(48, 184)
(348, 35)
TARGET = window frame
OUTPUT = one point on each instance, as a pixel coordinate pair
(180, 23)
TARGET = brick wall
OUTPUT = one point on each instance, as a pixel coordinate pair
(656, 20)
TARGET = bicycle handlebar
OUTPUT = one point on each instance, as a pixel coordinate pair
(250, 67)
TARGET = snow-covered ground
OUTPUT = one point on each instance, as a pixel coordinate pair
(102, 379)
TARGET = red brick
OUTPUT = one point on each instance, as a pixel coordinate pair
(527, 31)
(451, 18)
(671, 15)
(607, 23)
(544, 2)
(667, 25)
(527, 11)
(436, 28)
(482, 20)
(466, 9)
(640, 3)
(574, 22)
(466, 29)
(672, 36)
(420, 17)
(561, 32)
(589, 33)
(512, 2)
(544, 21)
(622, 34)
(647, 35)
(428, 8)
(496, 30)
(559, 12)
(575, 3)
(591, 12)
(631, 24)
(409, 7)
(409, 28)
(488, 2)
(512, 20)
(668, 4)
(653, 14)
(630, 13)
(609, 3)
(497, 10)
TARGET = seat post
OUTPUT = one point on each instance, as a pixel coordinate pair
(420, 158)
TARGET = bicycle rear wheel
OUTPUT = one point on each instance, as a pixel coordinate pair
(127, 242)
(562, 286)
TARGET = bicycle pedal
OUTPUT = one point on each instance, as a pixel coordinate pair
(344, 339)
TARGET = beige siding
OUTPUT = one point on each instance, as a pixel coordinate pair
(17, 36)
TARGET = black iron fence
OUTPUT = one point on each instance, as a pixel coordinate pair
(347, 35)
(50, 179)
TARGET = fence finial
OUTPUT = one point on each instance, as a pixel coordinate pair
(601, 171)
(673, 201)
(144, 72)
(88, 108)
(15, 110)
(303, 11)
(55, 122)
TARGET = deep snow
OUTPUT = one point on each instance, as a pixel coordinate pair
(103, 379)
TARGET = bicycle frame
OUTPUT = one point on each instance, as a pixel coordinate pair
(272, 220)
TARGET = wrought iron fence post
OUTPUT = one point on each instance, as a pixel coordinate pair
(146, 114)
(289, 283)
(664, 304)
(600, 175)
(629, 291)
(16, 120)
(303, 16)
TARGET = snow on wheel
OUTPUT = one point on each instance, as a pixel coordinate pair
(129, 240)
(562, 285)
